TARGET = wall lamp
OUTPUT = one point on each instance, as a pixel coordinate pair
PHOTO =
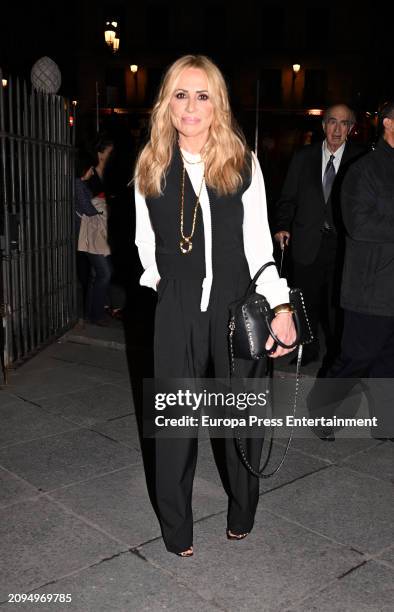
(111, 35)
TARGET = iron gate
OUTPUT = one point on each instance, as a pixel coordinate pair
(38, 284)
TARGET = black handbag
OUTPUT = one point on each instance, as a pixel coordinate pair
(251, 318)
(250, 326)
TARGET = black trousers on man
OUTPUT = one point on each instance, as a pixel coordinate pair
(320, 284)
(367, 352)
(193, 344)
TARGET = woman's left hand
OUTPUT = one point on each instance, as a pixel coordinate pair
(283, 327)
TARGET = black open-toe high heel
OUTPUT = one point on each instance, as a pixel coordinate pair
(186, 553)
(235, 536)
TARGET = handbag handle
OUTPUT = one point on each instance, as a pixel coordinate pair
(250, 290)
(253, 282)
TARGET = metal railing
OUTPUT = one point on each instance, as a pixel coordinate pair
(37, 243)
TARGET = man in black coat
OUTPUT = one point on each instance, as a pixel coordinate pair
(367, 293)
(307, 217)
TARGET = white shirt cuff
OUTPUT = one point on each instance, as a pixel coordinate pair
(150, 277)
(276, 292)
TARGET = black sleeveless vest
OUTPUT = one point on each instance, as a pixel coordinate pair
(226, 219)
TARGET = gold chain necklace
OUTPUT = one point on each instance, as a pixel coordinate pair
(186, 244)
(192, 163)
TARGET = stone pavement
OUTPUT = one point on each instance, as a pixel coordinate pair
(75, 517)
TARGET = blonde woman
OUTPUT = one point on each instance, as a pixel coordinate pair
(201, 233)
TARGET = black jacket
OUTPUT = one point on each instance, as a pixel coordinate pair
(368, 214)
(301, 207)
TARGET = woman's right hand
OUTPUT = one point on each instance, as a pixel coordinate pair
(284, 329)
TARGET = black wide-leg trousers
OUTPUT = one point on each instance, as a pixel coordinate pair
(187, 344)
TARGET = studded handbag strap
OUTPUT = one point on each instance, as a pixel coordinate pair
(241, 449)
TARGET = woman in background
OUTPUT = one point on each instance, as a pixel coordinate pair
(93, 254)
(103, 150)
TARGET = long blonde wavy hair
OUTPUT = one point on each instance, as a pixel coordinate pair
(224, 153)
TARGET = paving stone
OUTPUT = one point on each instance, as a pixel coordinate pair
(110, 359)
(353, 406)
(60, 381)
(110, 333)
(333, 452)
(367, 589)
(32, 536)
(53, 462)
(377, 461)
(387, 555)
(39, 363)
(343, 505)
(102, 357)
(7, 398)
(101, 374)
(296, 466)
(276, 563)
(21, 421)
(126, 583)
(13, 489)
(293, 553)
(88, 407)
(118, 503)
(123, 383)
(123, 429)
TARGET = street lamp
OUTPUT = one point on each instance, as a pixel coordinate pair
(111, 36)
(4, 82)
(296, 69)
(134, 70)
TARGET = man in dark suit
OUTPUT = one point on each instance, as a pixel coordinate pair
(367, 292)
(307, 217)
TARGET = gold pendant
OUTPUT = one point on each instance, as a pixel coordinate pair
(186, 245)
